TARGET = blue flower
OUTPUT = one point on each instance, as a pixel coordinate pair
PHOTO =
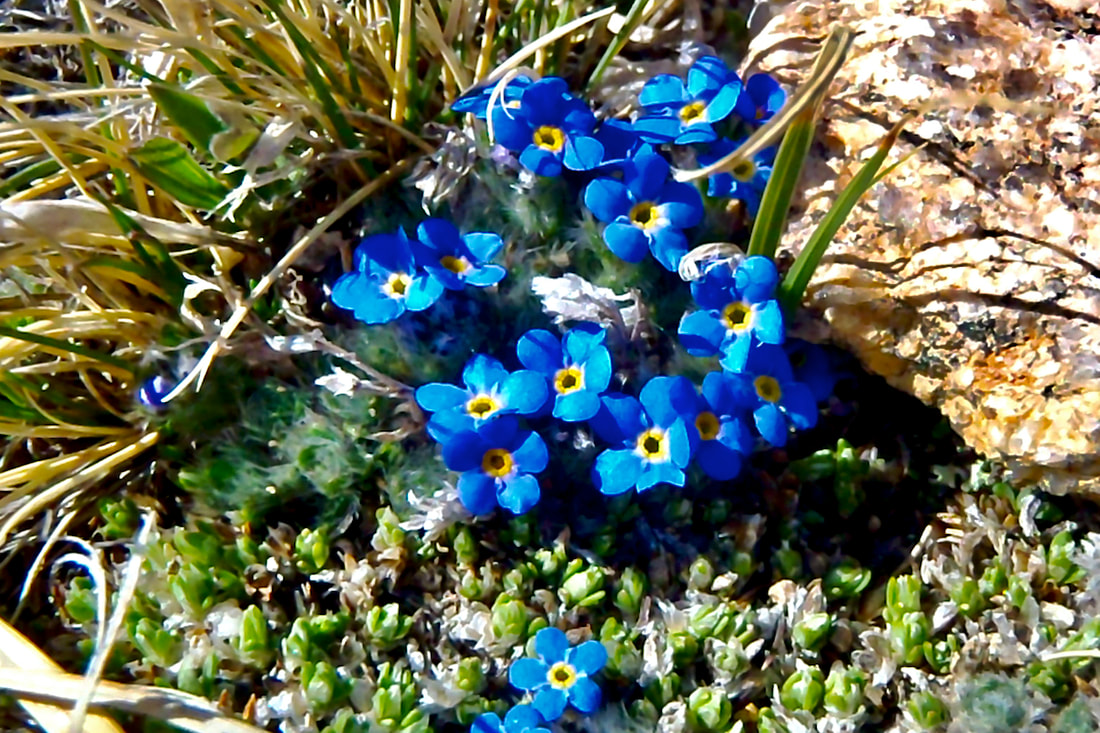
(520, 719)
(476, 101)
(724, 435)
(458, 260)
(549, 128)
(738, 311)
(386, 280)
(620, 143)
(812, 367)
(682, 115)
(578, 368)
(761, 97)
(491, 391)
(153, 390)
(767, 386)
(646, 210)
(746, 182)
(497, 462)
(654, 442)
(561, 675)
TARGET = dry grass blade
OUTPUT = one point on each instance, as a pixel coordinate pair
(19, 657)
(184, 711)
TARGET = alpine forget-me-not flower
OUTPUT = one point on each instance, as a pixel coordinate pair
(766, 385)
(457, 260)
(578, 368)
(561, 675)
(387, 280)
(520, 719)
(724, 434)
(497, 463)
(675, 113)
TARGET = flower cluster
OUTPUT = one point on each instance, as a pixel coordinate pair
(632, 190)
(560, 677)
(393, 274)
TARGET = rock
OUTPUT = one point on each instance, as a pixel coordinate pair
(970, 277)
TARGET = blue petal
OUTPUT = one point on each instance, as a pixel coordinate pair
(585, 695)
(376, 308)
(543, 101)
(697, 132)
(681, 204)
(660, 473)
(582, 153)
(551, 645)
(668, 399)
(528, 674)
(707, 75)
(522, 718)
(540, 350)
(662, 90)
(482, 373)
(446, 424)
(485, 275)
(770, 360)
(736, 352)
(799, 403)
(483, 246)
(627, 241)
(349, 289)
(618, 139)
(587, 658)
(597, 370)
(540, 162)
(531, 455)
(423, 291)
(734, 433)
(647, 174)
(717, 460)
(716, 391)
(620, 419)
(501, 431)
(682, 443)
(657, 129)
(477, 492)
(439, 234)
(720, 185)
(464, 451)
(767, 322)
(518, 493)
(723, 102)
(669, 246)
(772, 424)
(702, 333)
(607, 199)
(510, 128)
(578, 119)
(756, 278)
(388, 252)
(525, 391)
(617, 471)
(550, 703)
(487, 722)
(577, 406)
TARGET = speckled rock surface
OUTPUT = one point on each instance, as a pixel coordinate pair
(970, 276)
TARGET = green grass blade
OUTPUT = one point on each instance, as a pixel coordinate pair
(776, 202)
(798, 277)
(168, 165)
(158, 266)
(634, 19)
(67, 346)
(189, 113)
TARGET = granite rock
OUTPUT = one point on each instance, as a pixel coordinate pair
(970, 277)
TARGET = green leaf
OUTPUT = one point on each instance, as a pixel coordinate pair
(169, 166)
(776, 202)
(189, 113)
(60, 345)
(798, 277)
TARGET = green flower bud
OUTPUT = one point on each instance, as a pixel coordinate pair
(389, 534)
(846, 580)
(321, 684)
(384, 625)
(700, 574)
(516, 583)
(157, 646)
(465, 547)
(509, 618)
(120, 518)
(629, 592)
(710, 621)
(993, 581)
(803, 690)
(326, 628)
(201, 546)
(386, 706)
(297, 643)
(1060, 567)
(470, 676)
(768, 722)
(415, 722)
(743, 564)
(812, 632)
(903, 595)
(254, 643)
(1018, 591)
(612, 630)
(968, 599)
(193, 588)
(709, 709)
(199, 678)
(844, 691)
(311, 550)
(583, 588)
(624, 661)
(928, 711)
(940, 654)
(549, 563)
(787, 562)
(80, 600)
(684, 648)
(909, 634)
(470, 585)
(663, 690)
(730, 657)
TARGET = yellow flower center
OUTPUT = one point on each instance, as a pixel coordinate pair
(457, 265)
(569, 379)
(693, 112)
(767, 388)
(737, 316)
(653, 445)
(707, 425)
(497, 462)
(397, 285)
(549, 138)
(562, 676)
(645, 215)
(482, 405)
(744, 171)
